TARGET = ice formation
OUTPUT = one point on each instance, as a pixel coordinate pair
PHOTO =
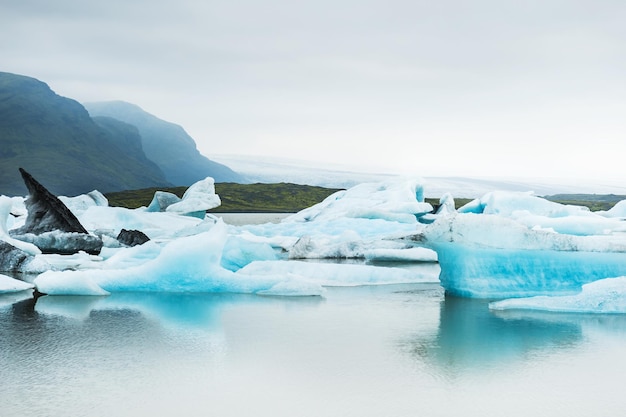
(198, 198)
(503, 245)
(518, 245)
(8, 284)
(398, 201)
(188, 264)
(607, 296)
(367, 221)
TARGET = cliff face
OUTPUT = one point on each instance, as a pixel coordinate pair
(55, 139)
(167, 144)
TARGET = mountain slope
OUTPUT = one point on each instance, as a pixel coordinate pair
(167, 144)
(55, 140)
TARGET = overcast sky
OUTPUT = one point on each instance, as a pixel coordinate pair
(446, 87)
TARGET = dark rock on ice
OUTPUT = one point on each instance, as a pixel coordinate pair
(63, 243)
(46, 212)
(11, 258)
(132, 237)
(50, 225)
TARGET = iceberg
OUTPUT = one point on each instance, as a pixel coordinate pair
(502, 245)
(398, 201)
(188, 264)
(367, 221)
(505, 245)
(191, 255)
(6, 204)
(332, 275)
(606, 296)
(10, 285)
(198, 198)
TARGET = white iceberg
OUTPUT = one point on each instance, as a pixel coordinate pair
(82, 202)
(332, 275)
(356, 223)
(499, 246)
(10, 285)
(197, 199)
(6, 205)
(187, 264)
(607, 296)
(396, 201)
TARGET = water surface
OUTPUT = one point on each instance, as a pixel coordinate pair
(397, 350)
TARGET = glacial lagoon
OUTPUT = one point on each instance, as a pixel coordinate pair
(401, 349)
(387, 350)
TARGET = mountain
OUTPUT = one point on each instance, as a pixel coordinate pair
(167, 144)
(56, 141)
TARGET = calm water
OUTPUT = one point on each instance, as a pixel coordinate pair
(401, 350)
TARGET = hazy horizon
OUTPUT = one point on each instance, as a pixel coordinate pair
(451, 88)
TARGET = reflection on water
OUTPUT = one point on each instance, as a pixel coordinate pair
(400, 350)
(471, 337)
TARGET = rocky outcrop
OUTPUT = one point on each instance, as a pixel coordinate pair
(132, 237)
(50, 225)
(12, 258)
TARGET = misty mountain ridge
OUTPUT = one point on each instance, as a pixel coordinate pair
(167, 144)
(72, 152)
(55, 140)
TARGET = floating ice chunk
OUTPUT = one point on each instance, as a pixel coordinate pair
(8, 285)
(617, 211)
(602, 296)
(199, 197)
(294, 286)
(571, 225)
(446, 204)
(490, 256)
(79, 260)
(188, 264)
(128, 257)
(348, 223)
(347, 245)
(538, 212)
(504, 203)
(82, 202)
(490, 231)
(240, 252)
(396, 201)
(161, 201)
(154, 225)
(68, 283)
(401, 255)
(332, 274)
(6, 204)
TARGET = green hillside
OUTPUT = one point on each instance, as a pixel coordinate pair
(243, 198)
(595, 202)
(55, 140)
(290, 198)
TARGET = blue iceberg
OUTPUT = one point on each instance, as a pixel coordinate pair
(505, 245)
